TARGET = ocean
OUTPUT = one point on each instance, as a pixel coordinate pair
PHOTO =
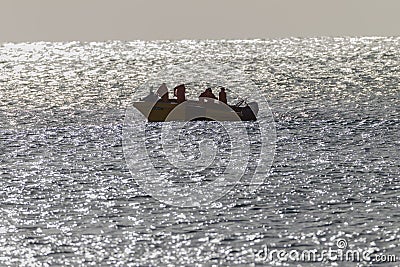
(330, 177)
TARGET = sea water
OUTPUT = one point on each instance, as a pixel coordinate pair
(67, 196)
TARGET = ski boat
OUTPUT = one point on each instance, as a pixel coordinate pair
(156, 110)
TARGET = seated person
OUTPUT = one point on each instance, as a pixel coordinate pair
(208, 93)
(163, 93)
(180, 93)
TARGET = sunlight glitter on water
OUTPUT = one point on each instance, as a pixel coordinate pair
(67, 196)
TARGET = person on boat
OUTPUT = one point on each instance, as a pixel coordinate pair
(208, 93)
(163, 93)
(222, 96)
(180, 93)
(202, 95)
(151, 97)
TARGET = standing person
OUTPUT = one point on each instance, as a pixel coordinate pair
(163, 93)
(222, 96)
(180, 92)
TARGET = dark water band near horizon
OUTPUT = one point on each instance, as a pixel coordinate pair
(68, 198)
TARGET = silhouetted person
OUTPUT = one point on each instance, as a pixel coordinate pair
(222, 96)
(208, 93)
(163, 93)
(180, 92)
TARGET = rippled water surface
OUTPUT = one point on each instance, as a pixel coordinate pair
(68, 198)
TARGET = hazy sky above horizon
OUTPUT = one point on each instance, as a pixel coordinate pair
(100, 20)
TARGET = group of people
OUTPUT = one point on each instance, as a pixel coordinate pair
(180, 94)
(221, 96)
